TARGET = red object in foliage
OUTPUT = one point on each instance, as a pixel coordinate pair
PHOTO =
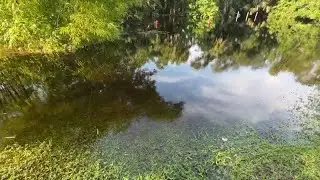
(209, 24)
(156, 24)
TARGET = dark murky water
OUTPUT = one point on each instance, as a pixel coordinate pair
(174, 94)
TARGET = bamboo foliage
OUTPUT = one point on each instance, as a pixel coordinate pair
(51, 26)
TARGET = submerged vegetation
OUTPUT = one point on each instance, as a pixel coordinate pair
(244, 157)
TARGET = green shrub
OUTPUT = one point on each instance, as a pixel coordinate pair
(51, 26)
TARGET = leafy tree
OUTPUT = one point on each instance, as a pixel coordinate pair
(297, 28)
(296, 24)
(50, 26)
(204, 15)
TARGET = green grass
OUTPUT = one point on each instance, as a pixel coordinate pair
(244, 157)
(44, 161)
(269, 161)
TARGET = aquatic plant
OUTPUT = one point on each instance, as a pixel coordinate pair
(246, 156)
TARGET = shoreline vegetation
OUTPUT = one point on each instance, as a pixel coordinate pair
(42, 26)
(222, 29)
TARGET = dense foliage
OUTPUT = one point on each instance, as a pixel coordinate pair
(204, 14)
(296, 24)
(49, 26)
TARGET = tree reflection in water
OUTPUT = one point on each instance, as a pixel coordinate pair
(97, 92)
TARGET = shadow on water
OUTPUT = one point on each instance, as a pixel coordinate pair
(83, 100)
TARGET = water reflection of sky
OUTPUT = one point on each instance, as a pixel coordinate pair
(241, 94)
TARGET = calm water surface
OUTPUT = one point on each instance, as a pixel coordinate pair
(217, 107)
(174, 94)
